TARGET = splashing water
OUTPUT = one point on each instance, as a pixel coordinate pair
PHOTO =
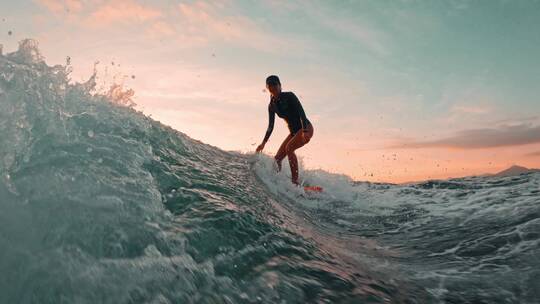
(101, 204)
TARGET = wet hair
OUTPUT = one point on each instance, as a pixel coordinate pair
(272, 80)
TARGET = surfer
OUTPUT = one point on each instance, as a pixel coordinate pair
(287, 106)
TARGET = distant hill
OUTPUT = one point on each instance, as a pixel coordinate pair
(515, 170)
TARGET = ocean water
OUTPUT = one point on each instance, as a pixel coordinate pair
(101, 204)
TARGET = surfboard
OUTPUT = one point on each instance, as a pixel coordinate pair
(313, 188)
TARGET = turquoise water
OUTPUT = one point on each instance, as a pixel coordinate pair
(101, 204)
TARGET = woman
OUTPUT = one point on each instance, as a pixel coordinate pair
(287, 106)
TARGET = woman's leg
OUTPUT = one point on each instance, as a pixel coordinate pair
(296, 142)
(281, 153)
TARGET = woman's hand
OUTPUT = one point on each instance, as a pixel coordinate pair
(260, 148)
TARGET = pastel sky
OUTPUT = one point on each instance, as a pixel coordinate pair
(396, 90)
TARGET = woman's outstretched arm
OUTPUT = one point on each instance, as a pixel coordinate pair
(271, 118)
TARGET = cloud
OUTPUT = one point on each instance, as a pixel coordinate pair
(207, 20)
(160, 29)
(61, 6)
(471, 109)
(98, 13)
(53, 6)
(371, 38)
(368, 37)
(503, 136)
(460, 5)
(122, 11)
(517, 121)
(537, 153)
(127, 18)
(281, 5)
(192, 24)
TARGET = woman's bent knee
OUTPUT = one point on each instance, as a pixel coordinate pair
(290, 152)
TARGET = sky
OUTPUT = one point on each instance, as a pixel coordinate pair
(397, 91)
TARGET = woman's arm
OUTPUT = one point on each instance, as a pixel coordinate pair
(271, 118)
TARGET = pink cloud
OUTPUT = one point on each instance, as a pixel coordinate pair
(471, 109)
(537, 153)
(505, 136)
(98, 13)
(53, 6)
(193, 24)
(74, 5)
(122, 11)
(61, 6)
(160, 29)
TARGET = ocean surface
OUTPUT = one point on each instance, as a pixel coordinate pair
(101, 204)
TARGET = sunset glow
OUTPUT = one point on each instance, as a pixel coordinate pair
(396, 91)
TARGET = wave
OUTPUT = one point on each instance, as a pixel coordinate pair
(102, 204)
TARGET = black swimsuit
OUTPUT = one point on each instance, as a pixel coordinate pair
(288, 107)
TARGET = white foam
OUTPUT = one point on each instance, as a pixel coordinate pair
(337, 188)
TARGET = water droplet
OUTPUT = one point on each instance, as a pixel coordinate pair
(100, 160)
(90, 133)
(88, 150)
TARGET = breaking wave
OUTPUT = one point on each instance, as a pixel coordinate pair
(102, 204)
